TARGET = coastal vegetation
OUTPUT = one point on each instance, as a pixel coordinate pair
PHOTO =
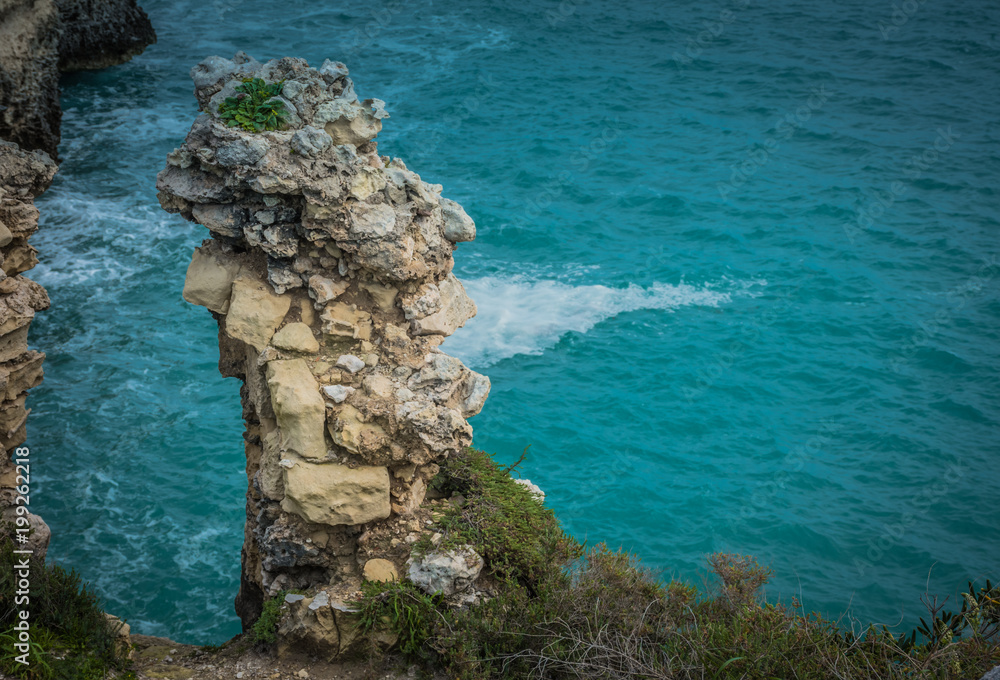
(71, 637)
(561, 610)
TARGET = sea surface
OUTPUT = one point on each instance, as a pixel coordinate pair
(737, 275)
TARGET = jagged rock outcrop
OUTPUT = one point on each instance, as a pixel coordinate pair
(101, 33)
(329, 271)
(23, 177)
(29, 74)
(38, 38)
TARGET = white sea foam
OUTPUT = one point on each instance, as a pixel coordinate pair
(518, 315)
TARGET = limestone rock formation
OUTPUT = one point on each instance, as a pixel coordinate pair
(329, 271)
(23, 176)
(101, 33)
(38, 38)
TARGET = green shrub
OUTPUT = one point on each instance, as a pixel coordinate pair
(403, 609)
(265, 628)
(518, 537)
(254, 109)
(71, 637)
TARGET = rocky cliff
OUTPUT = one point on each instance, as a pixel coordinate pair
(23, 176)
(29, 74)
(101, 33)
(38, 38)
(329, 271)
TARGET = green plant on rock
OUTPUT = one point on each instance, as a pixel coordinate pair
(403, 609)
(519, 537)
(265, 628)
(255, 108)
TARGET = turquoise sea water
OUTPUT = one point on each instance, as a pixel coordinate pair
(736, 270)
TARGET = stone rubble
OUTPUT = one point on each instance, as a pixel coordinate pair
(329, 271)
(24, 175)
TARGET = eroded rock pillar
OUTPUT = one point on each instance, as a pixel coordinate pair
(329, 271)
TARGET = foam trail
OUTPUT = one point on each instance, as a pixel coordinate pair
(521, 316)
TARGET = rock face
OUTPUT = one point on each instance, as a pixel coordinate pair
(38, 38)
(101, 33)
(993, 674)
(325, 629)
(29, 74)
(23, 176)
(329, 272)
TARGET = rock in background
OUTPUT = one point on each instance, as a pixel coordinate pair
(24, 176)
(329, 271)
(38, 38)
(101, 33)
(29, 74)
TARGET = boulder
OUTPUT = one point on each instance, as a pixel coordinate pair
(209, 280)
(535, 491)
(255, 312)
(308, 628)
(350, 362)
(122, 632)
(296, 337)
(101, 33)
(448, 572)
(458, 226)
(993, 674)
(348, 122)
(336, 494)
(39, 533)
(454, 308)
(298, 408)
(380, 571)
